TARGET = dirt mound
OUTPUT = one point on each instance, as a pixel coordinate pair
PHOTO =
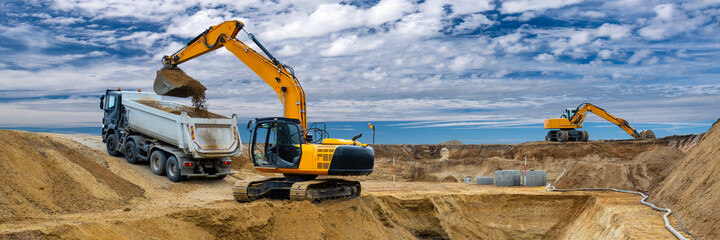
(692, 189)
(43, 175)
(452, 142)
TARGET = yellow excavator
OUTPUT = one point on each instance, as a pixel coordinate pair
(573, 118)
(279, 144)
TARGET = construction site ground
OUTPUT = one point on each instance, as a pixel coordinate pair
(66, 186)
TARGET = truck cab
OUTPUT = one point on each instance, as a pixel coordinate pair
(111, 105)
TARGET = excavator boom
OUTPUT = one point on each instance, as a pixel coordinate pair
(582, 110)
(280, 77)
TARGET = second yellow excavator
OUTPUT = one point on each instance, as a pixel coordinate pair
(279, 144)
(573, 118)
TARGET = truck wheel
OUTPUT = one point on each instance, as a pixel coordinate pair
(111, 144)
(157, 162)
(131, 152)
(172, 169)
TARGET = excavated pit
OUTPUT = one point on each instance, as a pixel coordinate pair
(128, 201)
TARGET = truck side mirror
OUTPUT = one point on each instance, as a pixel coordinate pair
(102, 101)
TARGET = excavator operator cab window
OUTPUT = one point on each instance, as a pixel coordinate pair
(277, 144)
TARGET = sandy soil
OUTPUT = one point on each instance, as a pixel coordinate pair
(95, 196)
(693, 186)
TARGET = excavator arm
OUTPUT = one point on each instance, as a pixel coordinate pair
(280, 77)
(584, 108)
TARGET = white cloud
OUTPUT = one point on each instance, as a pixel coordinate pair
(517, 6)
(700, 4)
(328, 18)
(544, 57)
(615, 32)
(387, 10)
(64, 20)
(27, 35)
(349, 45)
(579, 37)
(670, 21)
(472, 22)
(592, 14)
(465, 62)
(605, 54)
(289, 51)
(639, 56)
(526, 16)
(461, 7)
(191, 26)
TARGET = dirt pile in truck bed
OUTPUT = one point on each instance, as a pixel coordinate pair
(692, 189)
(43, 175)
(191, 111)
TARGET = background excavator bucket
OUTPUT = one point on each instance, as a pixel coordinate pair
(171, 81)
(647, 134)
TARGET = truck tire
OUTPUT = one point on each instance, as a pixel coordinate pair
(157, 162)
(172, 169)
(131, 152)
(111, 145)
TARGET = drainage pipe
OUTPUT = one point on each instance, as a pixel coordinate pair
(666, 210)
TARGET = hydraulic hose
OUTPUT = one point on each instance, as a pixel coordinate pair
(644, 197)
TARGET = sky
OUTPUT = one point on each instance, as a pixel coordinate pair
(427, 71)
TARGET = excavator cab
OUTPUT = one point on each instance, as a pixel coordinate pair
(276, 143)
(569, 113)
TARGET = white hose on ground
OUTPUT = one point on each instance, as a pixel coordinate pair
(666, 210)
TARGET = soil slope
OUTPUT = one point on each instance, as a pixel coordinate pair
(692, 189)
(41, 174)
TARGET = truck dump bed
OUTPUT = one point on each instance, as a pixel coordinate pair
(200, 134)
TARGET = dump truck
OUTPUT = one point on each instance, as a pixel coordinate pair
(179, 141)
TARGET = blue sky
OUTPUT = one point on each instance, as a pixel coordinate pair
(424, 71)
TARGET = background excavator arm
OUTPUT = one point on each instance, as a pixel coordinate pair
(582, 110)
(280, 77)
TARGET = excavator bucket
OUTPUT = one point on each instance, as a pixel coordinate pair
(647, 134)
(171, 81)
